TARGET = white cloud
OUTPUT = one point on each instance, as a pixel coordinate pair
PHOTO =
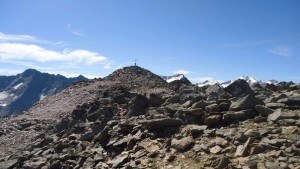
(78, 33)
(31, 52)
(181, 71)
(8, 37)
(281, 51)
(25, 38)
(8, 72)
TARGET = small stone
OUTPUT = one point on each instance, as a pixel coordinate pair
(215, 150)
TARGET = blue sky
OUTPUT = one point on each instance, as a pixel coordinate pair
(213, 39)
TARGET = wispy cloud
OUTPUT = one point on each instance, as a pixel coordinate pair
(25, 39)
(76, 32)
(182, 71)
(281, 51)
(248, 44)
(31, 52)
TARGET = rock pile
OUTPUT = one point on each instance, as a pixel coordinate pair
(191, 127)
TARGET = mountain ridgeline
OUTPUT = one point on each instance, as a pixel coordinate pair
(20, 92)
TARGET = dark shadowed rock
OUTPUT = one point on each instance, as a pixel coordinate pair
(263, 111)
(239, 88)
(161, 123)
(155, 100)
(213, 120)
(138, 106)
(230, 117)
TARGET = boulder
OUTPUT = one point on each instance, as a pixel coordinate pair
(193, 130)
(213, 108)
(138, 106)
(155, 100)
(161, 123)
(190, 116)
(120, 160)
(280, 114)
(263, 111)
(230, 117)
(9, 164)
(239, 88)
(246, 102)
(213, 120)
(182, 144)
(216, 88)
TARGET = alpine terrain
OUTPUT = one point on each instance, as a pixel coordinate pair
(19, 93)
(136, 119)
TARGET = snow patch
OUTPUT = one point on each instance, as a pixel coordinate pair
(42, 97)
(17, 86)
(173, 78)
(3, 95)
(3, 105)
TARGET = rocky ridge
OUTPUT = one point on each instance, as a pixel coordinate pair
(134, 119)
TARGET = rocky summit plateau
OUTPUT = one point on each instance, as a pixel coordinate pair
(135, 119)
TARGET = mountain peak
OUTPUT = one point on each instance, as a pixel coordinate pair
(30, 72)
(138, 77)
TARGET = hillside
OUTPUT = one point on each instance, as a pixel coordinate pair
(135, 119)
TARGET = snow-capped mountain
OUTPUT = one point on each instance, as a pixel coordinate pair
(22, 91)
(170, 79)
(272, 82)
(247, 78)
(207, 82)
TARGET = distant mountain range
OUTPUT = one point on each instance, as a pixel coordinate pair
(22, 91)
(249, 79)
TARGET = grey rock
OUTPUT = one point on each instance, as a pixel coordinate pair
(230, 117)
(242, 150)
(9, 164)
(120, 160)
(182, 144)
(190, 116)
(280, 114)
(244, 103)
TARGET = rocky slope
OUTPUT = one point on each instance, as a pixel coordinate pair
(21, 92)
(135, 119)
